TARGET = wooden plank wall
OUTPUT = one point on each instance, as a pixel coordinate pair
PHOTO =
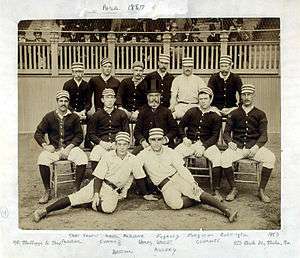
(36, 95)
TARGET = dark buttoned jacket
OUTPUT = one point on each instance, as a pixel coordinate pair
(246, 130)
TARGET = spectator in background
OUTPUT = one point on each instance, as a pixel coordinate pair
(21, 36)
(213, 37)
(175, 37)
(38, 37)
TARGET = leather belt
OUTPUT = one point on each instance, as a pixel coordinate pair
(113, 186)
(166, 180)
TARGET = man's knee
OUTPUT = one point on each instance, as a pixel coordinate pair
(44, 158)
(269, 159)
(174, 203)
(108, 207)
(226, 159)
(78, 156)
(96, 153)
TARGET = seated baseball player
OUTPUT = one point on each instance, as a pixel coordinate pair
(65, 135)
(185, 89)
(246, 134)
(200, 128)
(113, 177)
(154, 115)
(104, 125)
(132, 92)
(166, 170)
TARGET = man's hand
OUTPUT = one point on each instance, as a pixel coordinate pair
(172, 108)
(126, 111)
(49, 148)
(64, 153)
(165, 140)
(199, 149)
(196, 190)
(134, 115)
(253, 151)
(150, 197)
(145, 144)
(81, 115)
(96, 201)
(187, 142)
(232, 145)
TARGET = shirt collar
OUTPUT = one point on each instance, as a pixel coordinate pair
(78, 82)
(62, 116)
(224, 77)
(162, 75)
(106, 110)
(136, 82)
(126, 156)
(247, 109)
(105, 78)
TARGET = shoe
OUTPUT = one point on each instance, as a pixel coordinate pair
(39, 214)
(232, 216)
(263, 197)
(232, 195)
(218, 196)
(46, 197)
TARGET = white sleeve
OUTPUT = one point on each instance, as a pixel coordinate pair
(137, 168)
(178, 163)
(101, 169)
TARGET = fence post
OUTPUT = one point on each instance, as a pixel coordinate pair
(224, 40)
(54, 53)
(166, 43)
(111, 43)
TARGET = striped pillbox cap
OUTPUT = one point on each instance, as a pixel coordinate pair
(156, 132)
(248, 88)
(123, 136)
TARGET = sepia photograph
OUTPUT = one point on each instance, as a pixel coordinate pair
(149, 124)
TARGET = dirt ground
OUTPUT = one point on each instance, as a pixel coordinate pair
(134, 213)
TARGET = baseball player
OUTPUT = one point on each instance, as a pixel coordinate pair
(154, 115)
(200, 128)
(165, 168)
(65, 135)
(105, 80)
(246, 134)
(225, 86)
(104, 125)
(132, 92)
(80, 102)
(164, 79)
(185, 89)
(113, 177)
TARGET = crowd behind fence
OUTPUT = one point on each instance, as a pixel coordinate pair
(55, 57)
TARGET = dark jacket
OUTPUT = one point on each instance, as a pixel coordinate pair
(79, 96)
(97, 85)
(61, 133)
(130, 97)
(164, 86)
(160, 118)
(104, 126)
(246, 130)
(201, 126)
(225, 91)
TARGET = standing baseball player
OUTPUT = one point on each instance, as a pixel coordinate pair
(165, 168)
(225, 86)
(113, 177)
(65, 135)
(164, 79)
(105, 80)
(200, 128)
(132, 92)
(104, 125)
(185, 89)
(246, 134)
(80, 102)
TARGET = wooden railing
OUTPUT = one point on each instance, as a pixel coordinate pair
(56, 58)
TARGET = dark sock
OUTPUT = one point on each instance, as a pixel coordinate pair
(207, 198)
(80, 170)
(94, 165)
(187, 202)
(216, 177)
(229, 176)
(59, 204)
(45, 175)
(141, 186)
(265, 175)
